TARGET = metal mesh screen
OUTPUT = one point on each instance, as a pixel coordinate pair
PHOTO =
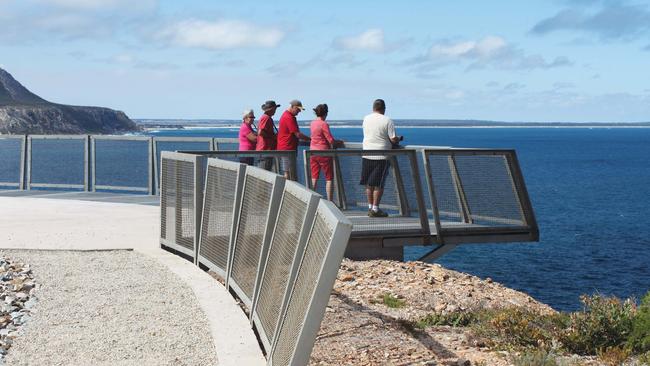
(168, 200)
(281, 253)
(185, 229)
(490, 191)
(399, 199)
(302, 292)
(227, 145)
(11, 153)
(250, 234)
(133, 167)
(448, 200)
(57, 161)
(218, 215)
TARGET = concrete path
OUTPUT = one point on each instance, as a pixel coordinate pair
(53, 223)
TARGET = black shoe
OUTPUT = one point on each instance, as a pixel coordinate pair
(378, 213)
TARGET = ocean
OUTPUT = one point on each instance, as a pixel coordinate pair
(590, 188)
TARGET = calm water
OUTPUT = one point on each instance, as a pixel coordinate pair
(590, 189)
(591, 192)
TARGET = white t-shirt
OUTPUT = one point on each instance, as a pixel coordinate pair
(377, 132)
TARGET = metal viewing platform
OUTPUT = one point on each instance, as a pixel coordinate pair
(435, 196)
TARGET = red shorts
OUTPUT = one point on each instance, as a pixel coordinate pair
(319, 163)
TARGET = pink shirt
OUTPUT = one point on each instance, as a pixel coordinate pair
(321, 137)
(244, 143)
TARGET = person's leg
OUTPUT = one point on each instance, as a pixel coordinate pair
(376, 196)
(329, 190)
(369, 195)
(313, 183)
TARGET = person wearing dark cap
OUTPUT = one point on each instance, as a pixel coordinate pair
(266, 133)
(378, 134)
(289, 133)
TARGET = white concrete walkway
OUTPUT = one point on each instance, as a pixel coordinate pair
(69, 224)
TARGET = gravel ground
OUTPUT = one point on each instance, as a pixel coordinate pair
(109, 308)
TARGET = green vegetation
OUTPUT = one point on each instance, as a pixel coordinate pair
(607, 327)
(455, 319)
(393, 302)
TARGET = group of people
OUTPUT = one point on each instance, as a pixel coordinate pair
(378, 134)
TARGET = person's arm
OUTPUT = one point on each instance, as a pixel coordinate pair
(263, 129)
(334, 143)
(302, 136)
(392, 135)
(252, 137)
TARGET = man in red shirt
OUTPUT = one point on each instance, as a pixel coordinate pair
(289, 133)
(267, 136)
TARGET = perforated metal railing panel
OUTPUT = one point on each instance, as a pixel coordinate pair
(185, 229)
(302, 292)
(250, 233)
(65, 167)
(11, 153)
(448, 200)
(476, 189)
(133, 169)
(490, 191)
(281, 253)
(168, 200)
(400, 193)
(219, 196)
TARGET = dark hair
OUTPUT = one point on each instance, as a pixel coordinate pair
(378, 105)
(321, 110)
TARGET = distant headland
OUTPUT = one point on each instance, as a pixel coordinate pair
(23, 112)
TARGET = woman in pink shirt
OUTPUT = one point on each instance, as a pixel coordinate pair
(322, 139)
(247, 135)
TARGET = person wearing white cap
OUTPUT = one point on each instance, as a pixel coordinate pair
(289, 133)
(247, 135)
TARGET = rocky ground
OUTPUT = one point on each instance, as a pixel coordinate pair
(17, 289)
(359, 329)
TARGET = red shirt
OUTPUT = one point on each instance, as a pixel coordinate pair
(268, 142)
(321, 137)
(287, 129)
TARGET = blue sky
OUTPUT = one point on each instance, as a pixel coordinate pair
(564, 60)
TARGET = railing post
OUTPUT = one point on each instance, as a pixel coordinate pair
(522, 194)
(151, 168)
(422, 207)
(156, 174)
(87, 164)
(432, 197)
(23, 161)
(338, 182)
(305, 164)
(460, 191)
(293, 166)
(93, 162)
(404, 208)
(28, 163)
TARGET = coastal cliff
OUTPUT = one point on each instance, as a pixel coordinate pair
(23, 112)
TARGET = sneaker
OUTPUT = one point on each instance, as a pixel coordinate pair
(378, 213)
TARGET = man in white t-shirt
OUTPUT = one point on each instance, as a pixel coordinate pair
(378, 134)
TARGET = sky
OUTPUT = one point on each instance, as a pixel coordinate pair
(534, 60)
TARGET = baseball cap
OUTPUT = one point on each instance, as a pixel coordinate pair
(297, 103)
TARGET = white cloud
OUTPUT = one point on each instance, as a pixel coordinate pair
(487, 47)
(84, 5)
(221, 34)
(370, 40)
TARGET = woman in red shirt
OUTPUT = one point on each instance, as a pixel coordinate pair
(322, 139)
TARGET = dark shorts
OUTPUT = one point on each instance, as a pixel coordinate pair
(374, 172)
(248, 160)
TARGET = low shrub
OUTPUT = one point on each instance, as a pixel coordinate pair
(614, 356)
(518, 328)
(393, 302)
(604, 322)
(455, 319)
(536, 358)
(639, 339)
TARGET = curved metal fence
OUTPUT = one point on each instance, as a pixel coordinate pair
(277, 244)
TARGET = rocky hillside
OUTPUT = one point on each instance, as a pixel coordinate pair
(23, 112)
